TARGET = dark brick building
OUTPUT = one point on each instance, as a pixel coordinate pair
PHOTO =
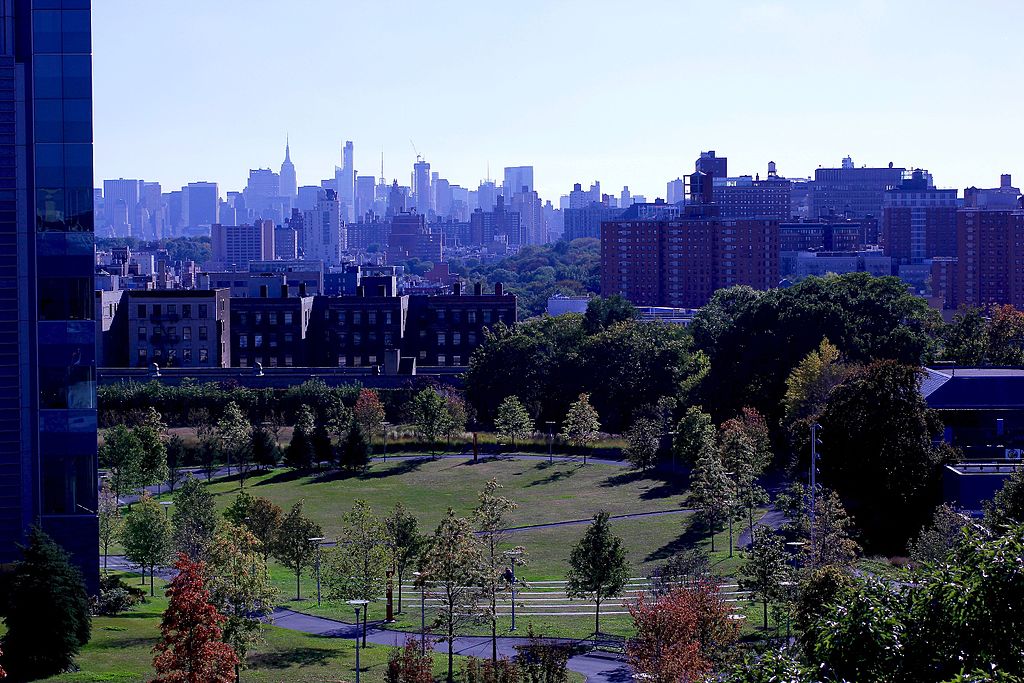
(445, 329)
(270, 330)
(919, 221)
(990, 257)
(178, 328)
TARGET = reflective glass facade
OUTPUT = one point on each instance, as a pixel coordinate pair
(47, 333)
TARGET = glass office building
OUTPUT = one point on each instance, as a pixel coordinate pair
(47, 334)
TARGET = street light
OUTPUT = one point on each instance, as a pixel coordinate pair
(385, 425)
(318, 540)
(551, 441)
(166, 504)
(672, 449)
(512, 555)
(423, 613)
(358, 605)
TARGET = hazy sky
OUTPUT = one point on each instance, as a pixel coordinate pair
(624, 92)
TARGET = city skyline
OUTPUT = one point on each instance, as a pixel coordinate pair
(783, 92)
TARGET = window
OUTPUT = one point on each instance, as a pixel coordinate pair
(172, 355)
(257, 341)
(204, 355)
(456, 316)
(371, 318)
(440, 314)
(357, 360)
(471, 316)
(387, 317)
(288, 337)
(372, 360)
(287, 317)
(357, 317)
(258, 318)
(273, 340)
(243, 318)
(441, 338)
(272, 317)
(243, 361)
(142, 356)
(423, 355)
(156, 310)
(186, 333)
(142, 334)
(288, 360)
(456, 360)
(142, 311)
(172, 309)
(186, 356)
(487, 317)
(186, 310)
(471, 337)
(357, 339)
(203, 311)
(203, 335)
(456, 338)
(441, 359)
(243, 341)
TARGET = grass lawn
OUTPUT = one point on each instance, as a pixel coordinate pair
(544, 493)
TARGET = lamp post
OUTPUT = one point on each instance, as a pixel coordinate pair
(423, 614)
(815, 428)
(358, 605)
(166, 504)
(385, 426)
(318, 540)
(672, 449)
(551, 441)
(512, 555)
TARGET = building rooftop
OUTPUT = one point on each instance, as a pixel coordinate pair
(951, 388)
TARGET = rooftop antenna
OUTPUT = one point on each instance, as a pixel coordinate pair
(382, 178)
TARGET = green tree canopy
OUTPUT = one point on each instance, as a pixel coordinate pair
(598, 568)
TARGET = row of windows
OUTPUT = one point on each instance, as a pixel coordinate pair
(256, 340)
(172, 356)
(172, 333)
(272, 317)
(171, 310)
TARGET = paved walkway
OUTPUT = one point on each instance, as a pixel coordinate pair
(596, 667)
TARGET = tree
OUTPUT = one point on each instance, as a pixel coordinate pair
(238, 511)
(456, 416)
(491, 517)
(47, 611)
(879, 452)
(711, 491)
(355, 453)
(686, 568)
(451, 571)
(111, 523)
(369, 412)
(299, 454)
(679, 633)
(807, 390)
(765, 568)
(428, 412)
(404, 541)
(292, 546)
(235, 434)
(356, 569)
(176, 451)
(1005, 336)
(512, 421)
(264, 449)
(597, 566)
(1007, 506)
(819, 588)
(147, 536)
(240, 587)
(191, 648)
(264, 521)
(209, 449)
(121, 454)
(938, 539)
(832, 539)
(605, 312)
(965, 339)
(695, 435)
(152, 468)
(323, 447)
(642, 442)
(746, 452)
(194, 519)
(407, 665)
(581, 425)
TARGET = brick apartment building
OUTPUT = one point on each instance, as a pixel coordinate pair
(270, 329)
(990, 257)
(178, 328)
(444, 330)
(919, 221)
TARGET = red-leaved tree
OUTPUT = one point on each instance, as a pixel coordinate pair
(369, 412)
(680, 635)
(406, 665)
(3, 674)
(192, 650)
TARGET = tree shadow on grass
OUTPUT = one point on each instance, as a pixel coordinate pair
(694, 533)
(299, 656)
(124, 643)
(281, 477)
(663, 483)
(554, 477)
(401, 467)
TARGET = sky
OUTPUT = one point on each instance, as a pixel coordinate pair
(625, 93)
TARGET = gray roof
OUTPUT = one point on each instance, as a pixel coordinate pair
(968, 388)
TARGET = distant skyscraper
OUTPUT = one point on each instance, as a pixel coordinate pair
(153, 211)
(675, 191)
(200, 205)
(850, 191)
(516, 178)
(324, 231)
(48, 470)
(346, 178)
(263, 189)
(121, 203)
(421, 185)
(625, 199)
(366, 187)
(486, 196)
(289, 186)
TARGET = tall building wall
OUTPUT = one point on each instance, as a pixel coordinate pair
(48, 469)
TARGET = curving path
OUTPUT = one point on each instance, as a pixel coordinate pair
(596, 667)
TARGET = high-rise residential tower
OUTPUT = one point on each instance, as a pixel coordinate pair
(48, 468)
(421, 186)
(346, 179)
(289, 185)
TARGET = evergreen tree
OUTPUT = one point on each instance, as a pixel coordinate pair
(597, 566)
(512, 422)
(299, 454)
(147, 536)
(355, 453)
(194, 519)
(265, 452)
(191, 649)
(47, 611)
(711, 491)
(292, 546)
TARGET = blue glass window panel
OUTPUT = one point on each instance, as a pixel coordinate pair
(47, 76)
(49, 165)
(77, 120)
(46, 31)
(76, 31)
(49, 123)
(77, 76)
